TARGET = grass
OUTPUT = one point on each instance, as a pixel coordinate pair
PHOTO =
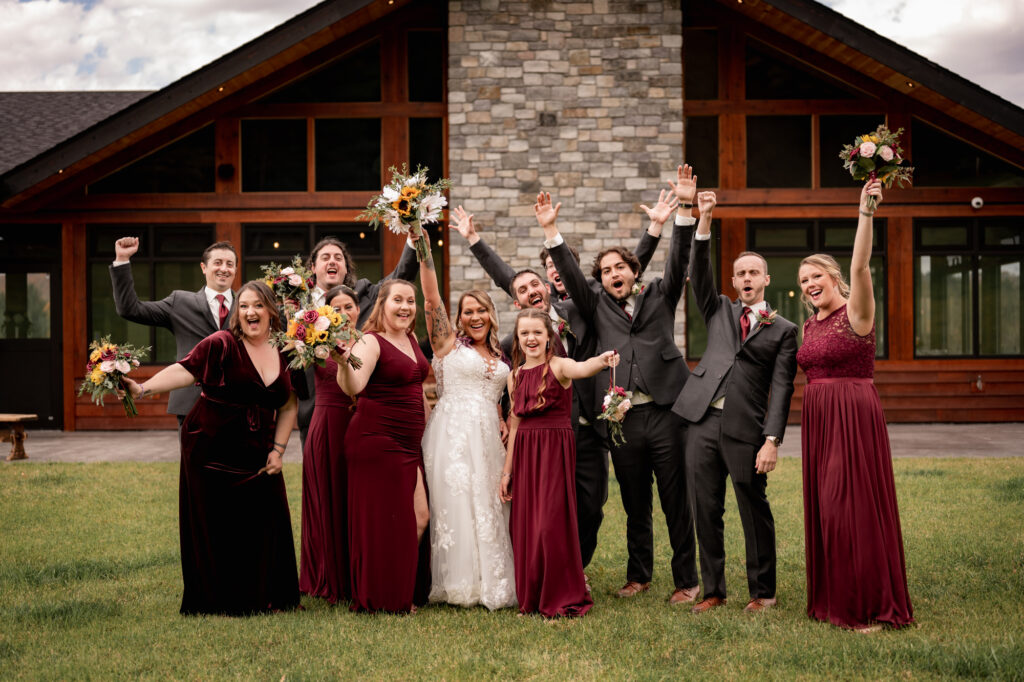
(90, 587)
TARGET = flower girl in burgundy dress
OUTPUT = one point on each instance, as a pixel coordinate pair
(539, 474)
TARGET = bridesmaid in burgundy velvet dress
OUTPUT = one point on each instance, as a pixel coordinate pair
(237, 553)
(856, 573)
(324, 558)
(540, 471)
(387, 498)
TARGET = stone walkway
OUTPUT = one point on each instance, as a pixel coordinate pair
(908, 440)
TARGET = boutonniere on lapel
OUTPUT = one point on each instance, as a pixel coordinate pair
(637, 289)
(765, 319)
(564, 329)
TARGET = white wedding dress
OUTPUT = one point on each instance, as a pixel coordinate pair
(470, 548)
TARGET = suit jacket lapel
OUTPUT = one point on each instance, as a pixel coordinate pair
(204, 309)
(755, 330)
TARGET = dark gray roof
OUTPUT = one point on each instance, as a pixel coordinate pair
(32, 122)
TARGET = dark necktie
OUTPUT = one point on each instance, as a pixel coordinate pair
(745, 324)
(622, 304)
(222, 314)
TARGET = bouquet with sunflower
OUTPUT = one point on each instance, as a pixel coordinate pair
(108, 363)
(291, 284)
(877, 155)
(407, 203)
(313, 334)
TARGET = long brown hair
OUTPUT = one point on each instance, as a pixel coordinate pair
(375, 321)
(493, 340)
(519, 357)
(831, 268)
(268, 300)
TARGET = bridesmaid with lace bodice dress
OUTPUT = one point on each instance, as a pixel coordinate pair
(856, 572)
(471, 553)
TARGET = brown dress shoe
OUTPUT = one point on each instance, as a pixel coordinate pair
(686, 595)
(759, 604)
(633, 588)
(708, 604)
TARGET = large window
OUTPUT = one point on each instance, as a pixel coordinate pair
(168, 259)
(967, 287)
(186, 165)
(784, 243)
(941, 160)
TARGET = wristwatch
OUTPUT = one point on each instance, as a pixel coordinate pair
(775, 440)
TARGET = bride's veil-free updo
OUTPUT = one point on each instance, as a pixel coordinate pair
(493, 340)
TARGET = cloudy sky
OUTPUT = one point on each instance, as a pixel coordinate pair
(146, 44)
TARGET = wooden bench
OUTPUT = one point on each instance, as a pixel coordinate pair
(17, 435)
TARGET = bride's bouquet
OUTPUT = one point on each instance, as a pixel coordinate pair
(108, 363)
(291, 284)
(312, 335)
(877, 155)
(407, 203)
(617, 402)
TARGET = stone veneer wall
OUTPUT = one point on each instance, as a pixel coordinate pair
(582, 99)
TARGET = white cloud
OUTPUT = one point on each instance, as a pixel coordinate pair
(125, 44)
(980, 41)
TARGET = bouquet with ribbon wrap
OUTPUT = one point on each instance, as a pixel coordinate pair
(877, 156)
(617, 402)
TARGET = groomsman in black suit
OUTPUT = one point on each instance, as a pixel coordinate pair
(638, 322)
(528, 290)
(332, 264)
(190, 316)
(736, 403)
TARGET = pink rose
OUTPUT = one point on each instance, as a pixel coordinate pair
(122, 366)
(885, 151)
(295, 280)
(322, 352)
(107, 366)
(322, 324)
(310, 316)
(867, 149)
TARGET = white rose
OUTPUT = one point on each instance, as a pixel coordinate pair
(107, 366)
(885, 151)
(322, 323)
(867, 149)
(122, 366)
(288, 271)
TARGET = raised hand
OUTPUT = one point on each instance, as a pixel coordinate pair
(667, 202)
(545, 212)
(125, 248)
(685, 186)
(706, 201)
(464, 225)
(872, 188)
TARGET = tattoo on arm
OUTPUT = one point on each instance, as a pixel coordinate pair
(440, 327)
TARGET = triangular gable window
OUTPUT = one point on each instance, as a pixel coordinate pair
(354, 77)
(186, 165)
(774, 75)
(941, 160)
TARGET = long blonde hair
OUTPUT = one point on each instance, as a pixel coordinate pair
(519, 357)
(832, 269)
(493, 339)
(375, 320)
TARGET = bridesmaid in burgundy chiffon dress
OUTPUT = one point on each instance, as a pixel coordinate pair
(540, 471)
(856, 573)
(237, 552)
(387, 502)
(324, 558)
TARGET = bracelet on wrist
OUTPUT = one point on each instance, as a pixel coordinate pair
(281, 445)
(683, 204)
(865, 213)
(509, 475)
(142, 390)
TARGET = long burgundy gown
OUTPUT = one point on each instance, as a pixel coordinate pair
(390, 569)
(856, 573)
(545, 542)
(324, 556)
(237, 553)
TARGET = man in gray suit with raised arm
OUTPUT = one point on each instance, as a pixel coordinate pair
(638, 321)
(190, 316)
(736, 402)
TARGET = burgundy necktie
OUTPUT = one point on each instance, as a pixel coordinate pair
(622, 304)
(222, 314)
(745, 324)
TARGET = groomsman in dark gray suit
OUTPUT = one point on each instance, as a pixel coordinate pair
(190, 316)
(638, 322)
(332, 264)
(736, 403)
(528, 290)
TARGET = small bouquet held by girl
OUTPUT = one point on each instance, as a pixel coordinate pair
(108, 364)
(291, 284)
(617, 402)
(407, 203)
(877, 155)
(313, 333)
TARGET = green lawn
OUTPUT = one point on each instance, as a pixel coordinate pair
(90, 587)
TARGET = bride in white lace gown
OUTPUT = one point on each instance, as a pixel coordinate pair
(470, 550)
